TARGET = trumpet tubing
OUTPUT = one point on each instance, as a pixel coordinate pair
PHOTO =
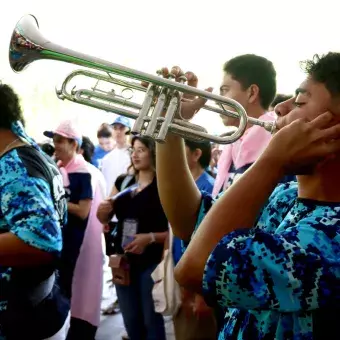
(162, 95)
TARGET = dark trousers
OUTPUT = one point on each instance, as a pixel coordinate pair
(137, 307)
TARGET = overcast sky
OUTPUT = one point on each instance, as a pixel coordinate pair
(146, 35)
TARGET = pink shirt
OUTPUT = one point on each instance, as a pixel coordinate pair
(244, 151)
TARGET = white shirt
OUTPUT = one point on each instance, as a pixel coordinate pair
(114, 164)
(97, 176)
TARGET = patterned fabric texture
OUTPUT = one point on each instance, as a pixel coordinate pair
(27, 211)
(273, 280)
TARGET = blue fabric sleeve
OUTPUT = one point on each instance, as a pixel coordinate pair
(291, 271)
(85, 187)
(28, 209)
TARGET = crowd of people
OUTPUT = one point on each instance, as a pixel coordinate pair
(253, 228)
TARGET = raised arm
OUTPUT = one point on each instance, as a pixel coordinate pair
(177, 189)
(178, 192)
(296, 148)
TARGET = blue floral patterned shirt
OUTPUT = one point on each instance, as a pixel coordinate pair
(280, 279)
(27, 209)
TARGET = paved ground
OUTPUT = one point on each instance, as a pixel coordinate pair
(111, 327)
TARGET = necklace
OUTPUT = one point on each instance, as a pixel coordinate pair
(9, 145)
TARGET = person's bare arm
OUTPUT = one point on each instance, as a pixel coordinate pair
(15, 252)
(141, 241)
(237, 208)
(295, 149)
(177, 189)
(114, 191)
(82, 209)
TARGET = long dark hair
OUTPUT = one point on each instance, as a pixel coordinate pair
(88, 149)
(10, 107)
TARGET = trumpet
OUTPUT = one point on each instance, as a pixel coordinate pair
(161, 95)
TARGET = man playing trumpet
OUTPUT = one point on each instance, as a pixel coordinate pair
(268, 255)
(251, 81)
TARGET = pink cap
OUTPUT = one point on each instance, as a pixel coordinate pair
(66, 129)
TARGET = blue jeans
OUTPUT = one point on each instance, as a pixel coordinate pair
(137, 307)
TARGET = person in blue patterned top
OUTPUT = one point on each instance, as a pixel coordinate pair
(32, 212)
(268, 255)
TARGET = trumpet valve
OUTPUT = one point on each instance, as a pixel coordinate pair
(182, 79)
(59, 94)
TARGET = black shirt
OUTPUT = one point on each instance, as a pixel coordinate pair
(130, 180)
(144, 207)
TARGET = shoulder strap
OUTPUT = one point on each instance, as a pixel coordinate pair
(125, 182)
(47, 169)
(56, 186)
(169, 240)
